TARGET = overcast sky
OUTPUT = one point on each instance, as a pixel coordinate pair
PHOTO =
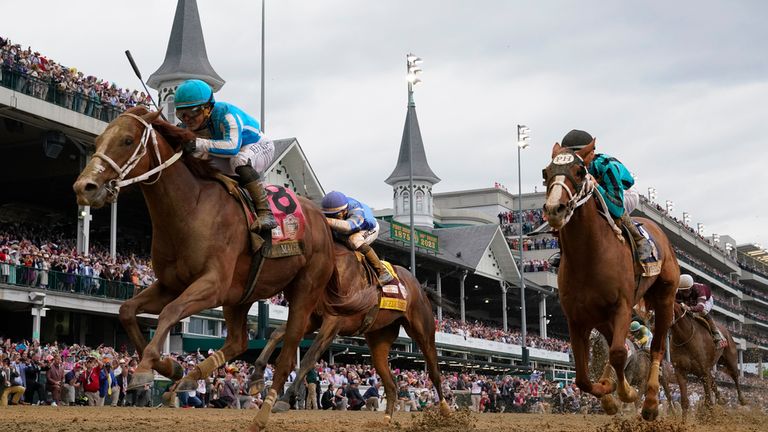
(676, 90)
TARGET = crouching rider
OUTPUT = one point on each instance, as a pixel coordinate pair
(352, 222)
(640, 335)
(233, 140)
(697, 298)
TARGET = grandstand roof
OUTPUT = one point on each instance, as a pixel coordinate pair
(186, 56)
(412, 137)
(755, 251)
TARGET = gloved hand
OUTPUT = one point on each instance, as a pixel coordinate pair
(190, 146)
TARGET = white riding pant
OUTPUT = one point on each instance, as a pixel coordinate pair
(362, 237)
(631, 199)
(708, 305)
(259, 154)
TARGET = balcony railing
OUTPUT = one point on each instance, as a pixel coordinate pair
(73, 283)
(52, 92)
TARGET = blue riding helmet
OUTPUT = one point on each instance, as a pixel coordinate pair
(635, 326)
(193, 93)
(334, 202)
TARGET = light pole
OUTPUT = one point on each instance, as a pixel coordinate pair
(686, 218)
(412, 62)
(523, 141)
(652, 194)
(263, 128)
(700, 229)
(670, 207)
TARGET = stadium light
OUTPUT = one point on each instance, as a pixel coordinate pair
(523, 136)
(716, 238)
(686, 218)
(413, 69)
(651, 194)
(412, 61)
(523, 141)
(700, 228)
(670, 206)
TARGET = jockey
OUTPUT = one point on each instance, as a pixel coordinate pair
(641, 335)
(614, 182)
(354, 223)
(697, 298)
(232, 137)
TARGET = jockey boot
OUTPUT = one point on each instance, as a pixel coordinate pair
(373, 259)
(643, 246)
(249, 179)
(716, 335)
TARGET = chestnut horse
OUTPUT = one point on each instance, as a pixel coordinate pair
(597, 279)
(418, 321)
(201, 252)
(693, 351)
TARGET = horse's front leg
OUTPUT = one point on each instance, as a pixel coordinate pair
(580, 349)
(151, 300)
(257, 377)
(202, 294)
(618, 354)
(664, 313)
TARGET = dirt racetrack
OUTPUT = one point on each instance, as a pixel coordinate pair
(107, 419)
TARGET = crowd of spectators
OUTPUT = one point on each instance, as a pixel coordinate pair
(488, 331)
(29, 72)
(45, 257)
(531, 244)
(537, 265)
(510, 221)
(762, 270)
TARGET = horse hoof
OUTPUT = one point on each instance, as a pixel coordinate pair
(630, 396)
(256, 387)
(650, 414)
(140, 379)
(445, 410)
(609, 405)
(281, 406)
(186, 385)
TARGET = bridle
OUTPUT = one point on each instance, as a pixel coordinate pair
(114, 185)
(560, 169)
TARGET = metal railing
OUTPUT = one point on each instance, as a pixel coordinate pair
(53, 92)
(72, 283)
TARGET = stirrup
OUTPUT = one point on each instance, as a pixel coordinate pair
(385, 278)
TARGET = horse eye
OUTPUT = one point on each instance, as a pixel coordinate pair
(128, 141)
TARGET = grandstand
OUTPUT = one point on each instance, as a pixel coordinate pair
(469, 256)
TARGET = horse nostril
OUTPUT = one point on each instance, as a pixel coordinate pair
(561, 208)
(90, 187)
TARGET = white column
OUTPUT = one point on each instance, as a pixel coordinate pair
(543, 316)
(741, 363)
(461, 296)
(504, 305)
(167, 344)
(37, 315)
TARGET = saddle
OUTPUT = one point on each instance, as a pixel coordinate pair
(701, 320)
(392, 295)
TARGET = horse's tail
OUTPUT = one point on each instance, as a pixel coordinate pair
(338, 304)
(439, 300)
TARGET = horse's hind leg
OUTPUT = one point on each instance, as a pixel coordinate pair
(682, 382)
(236, 318)
(328, 330)
(731, 367)
(379, 342)
(421, 328)
(257, 378)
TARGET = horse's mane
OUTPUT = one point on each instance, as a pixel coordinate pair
(176, 136)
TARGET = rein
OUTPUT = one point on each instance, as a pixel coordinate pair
(674, 322)
(114, 185)
(583, 193)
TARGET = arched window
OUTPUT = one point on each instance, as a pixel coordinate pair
(419, 201)
(406, 202)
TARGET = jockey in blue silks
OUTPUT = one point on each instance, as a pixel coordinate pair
(232, 137)
(614, 182)
(353, 222)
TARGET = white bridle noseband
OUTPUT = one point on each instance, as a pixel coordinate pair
(114, 185)
(582, 195)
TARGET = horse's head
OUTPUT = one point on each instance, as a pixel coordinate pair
(565, 178)
(120, 153)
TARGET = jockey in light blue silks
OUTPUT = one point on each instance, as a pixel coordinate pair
(614, 182)
(232, 137)
(352, 222)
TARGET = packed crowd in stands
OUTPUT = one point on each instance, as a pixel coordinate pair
(46, 257)
(510, 221)
(481, 330)
(762, 270)
(27, 71)
(537, 265)
(538, 243)
(63, 375)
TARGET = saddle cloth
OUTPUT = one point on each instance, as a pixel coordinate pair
(701, 320)
(394, 294)
(652, 266)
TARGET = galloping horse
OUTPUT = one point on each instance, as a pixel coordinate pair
(418, 321)
(201, 251)
(597, 279)
(693, 351)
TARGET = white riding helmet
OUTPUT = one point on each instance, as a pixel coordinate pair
(686, 282)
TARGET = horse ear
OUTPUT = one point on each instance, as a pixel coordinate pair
(587, 150)
(151, 116)
(556, 149)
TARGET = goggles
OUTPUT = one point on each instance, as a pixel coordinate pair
(186, 114)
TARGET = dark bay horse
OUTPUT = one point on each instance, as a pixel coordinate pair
(597, 279)
(694, 352)
(418, 321)
(200, 247)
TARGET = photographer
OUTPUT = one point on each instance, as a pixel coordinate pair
(9, 384)
(32, 375)
(71, 385)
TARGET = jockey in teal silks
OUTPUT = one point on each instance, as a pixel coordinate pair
(641, 335)
(614, 182)
(353, 223)
(232, 137)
